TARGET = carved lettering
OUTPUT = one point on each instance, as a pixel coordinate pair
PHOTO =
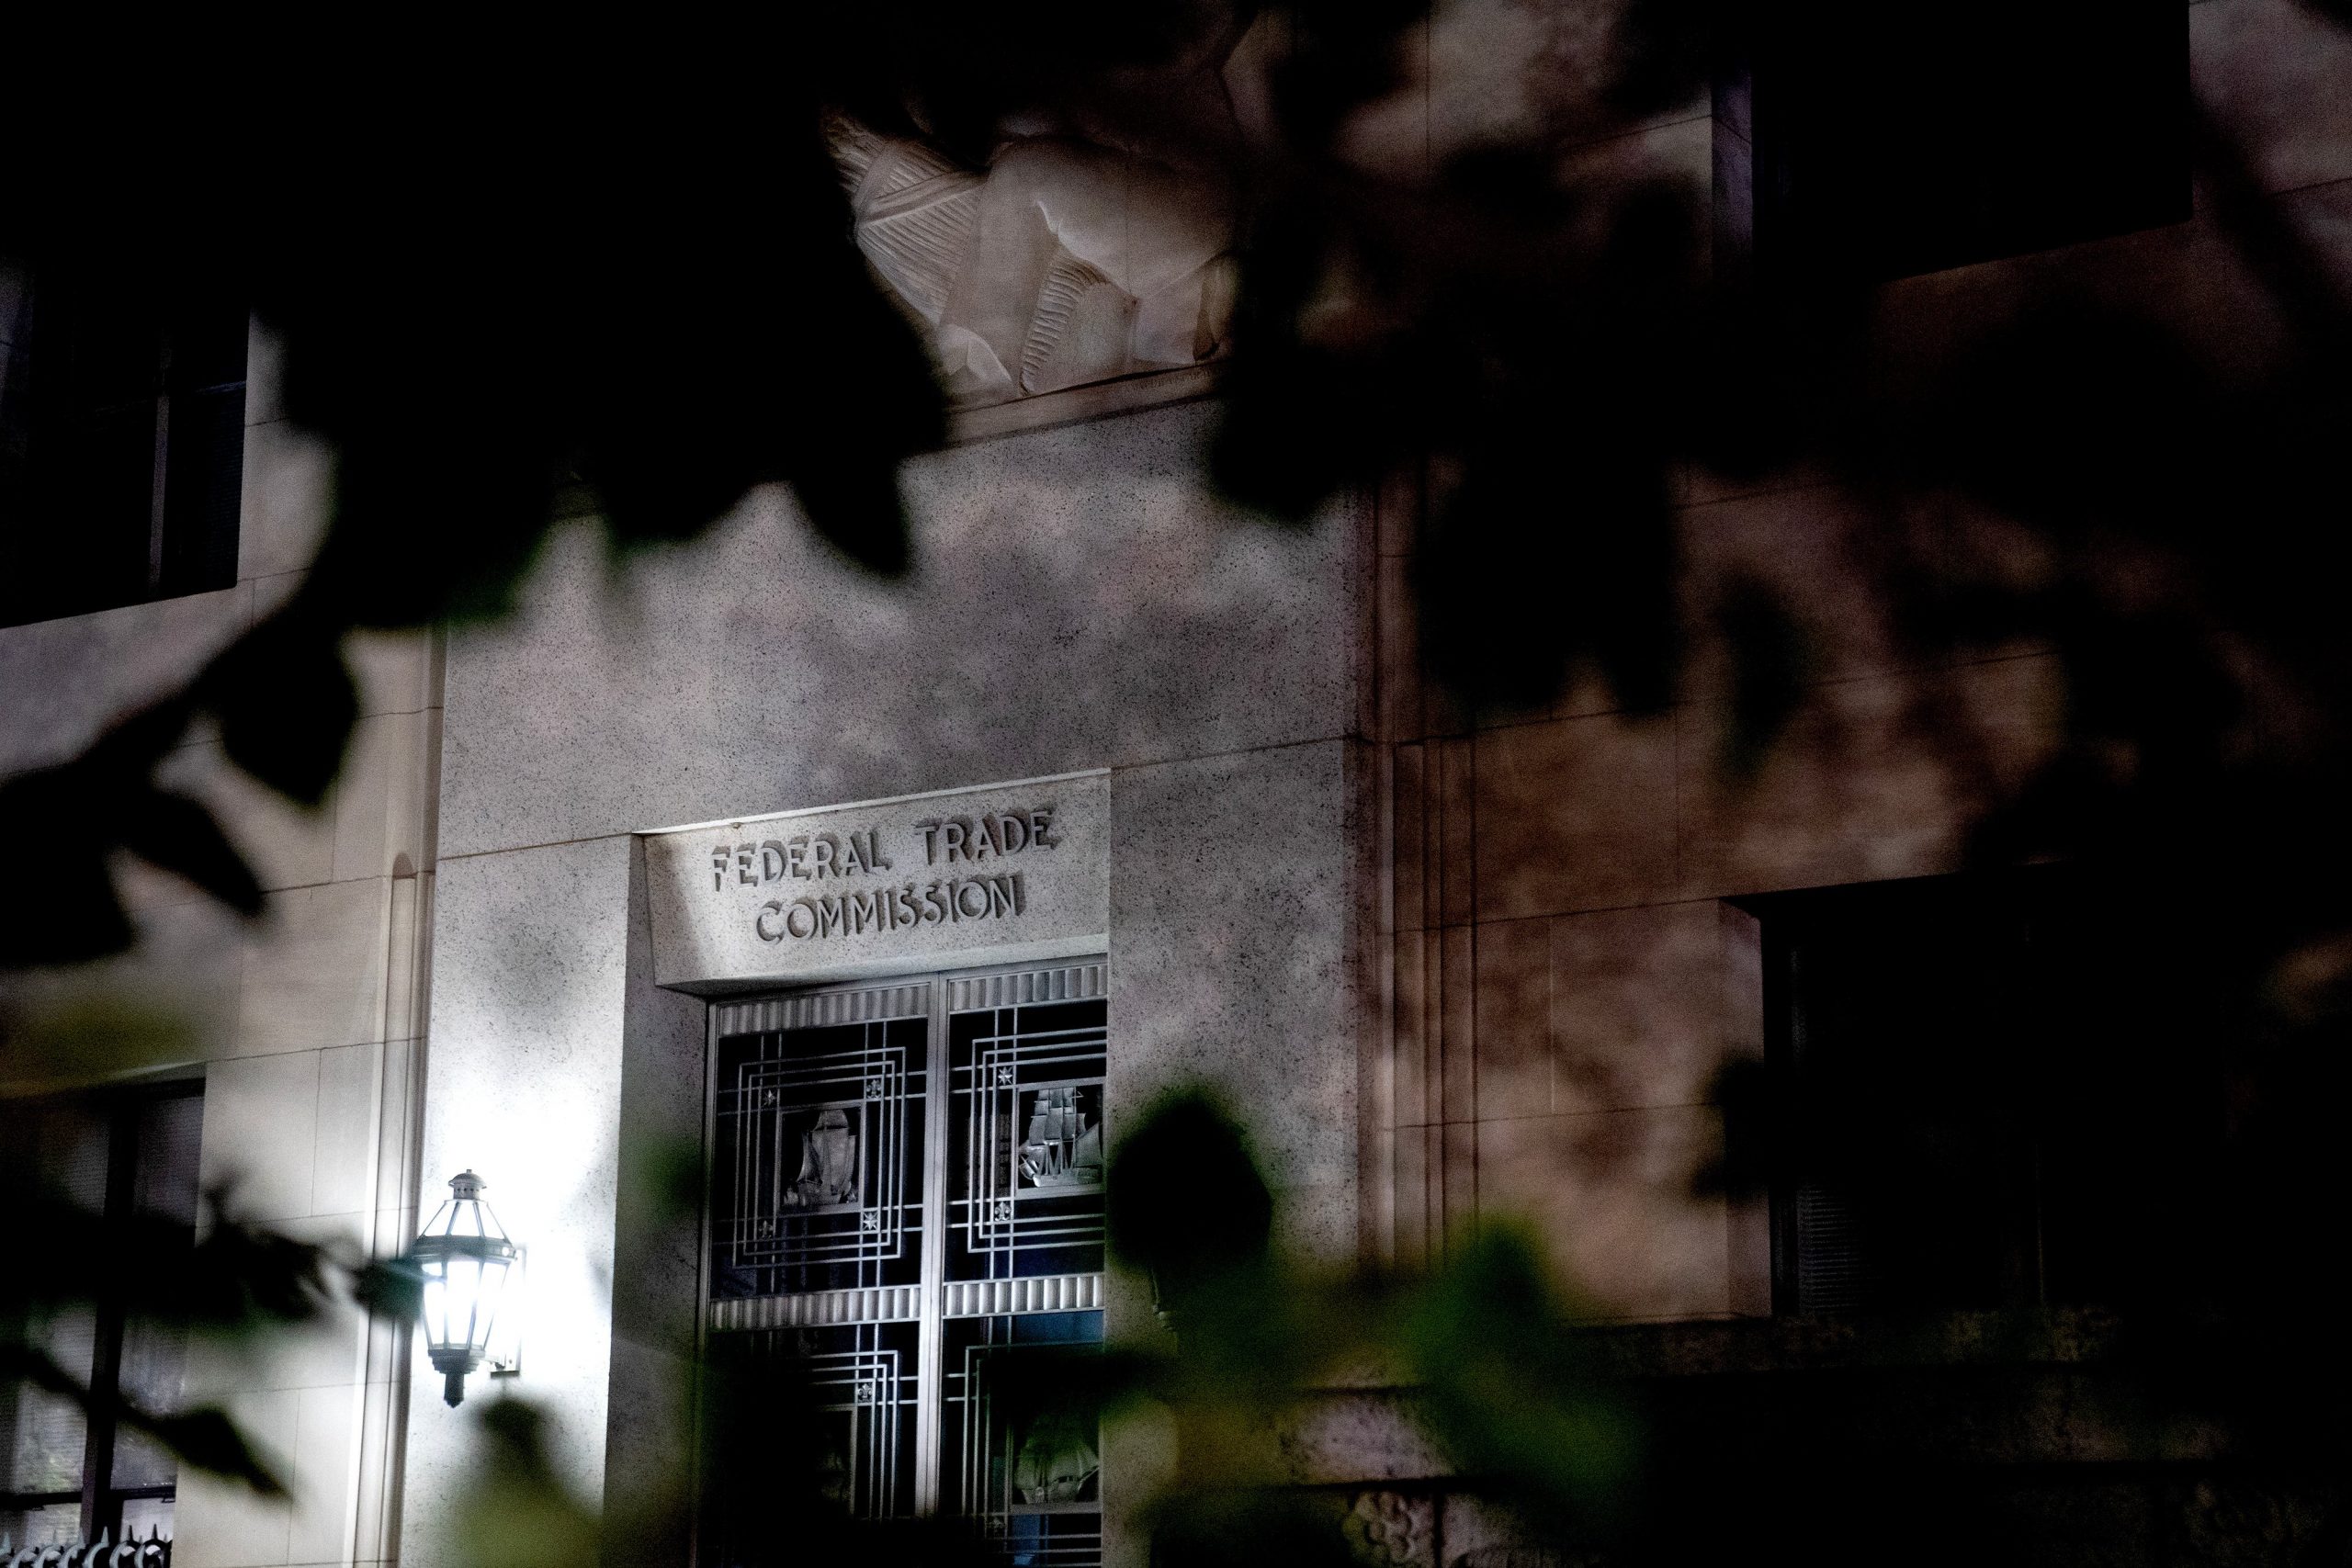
(952, 843)
(955, 899)
(816, 856)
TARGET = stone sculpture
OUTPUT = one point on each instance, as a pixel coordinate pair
(1062, 262)
(828, 1164)
(1062, 1149)
(1056, 1461)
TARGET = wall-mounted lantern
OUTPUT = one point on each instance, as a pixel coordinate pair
(466, 1260)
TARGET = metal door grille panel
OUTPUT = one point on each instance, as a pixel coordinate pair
(861, 1384)
(833, 1115)
(817, 1172)
(1026, 1130)
(1028, 1471)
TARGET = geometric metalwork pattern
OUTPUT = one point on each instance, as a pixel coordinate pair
(818, 1143)
(812, 1010)
(816, 1309)
(862, 1386)
(1044, 1292)
(1023, 1443)
(928, 1332)
(1019, 987)
(1026, 1139)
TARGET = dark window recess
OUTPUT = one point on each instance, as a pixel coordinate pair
(128, 1162)
(1898, 139)
(1984, 1094)
(121, 445)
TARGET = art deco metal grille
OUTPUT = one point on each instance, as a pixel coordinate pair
(819, 1134)
(935, 1337)
(1025, 1139)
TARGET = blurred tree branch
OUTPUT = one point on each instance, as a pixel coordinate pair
(504, 271)
(489, 291)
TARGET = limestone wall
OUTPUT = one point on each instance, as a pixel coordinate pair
(305, 1026)
(1564, 974)
(1079, 602)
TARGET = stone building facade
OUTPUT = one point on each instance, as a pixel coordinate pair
(1447, 969)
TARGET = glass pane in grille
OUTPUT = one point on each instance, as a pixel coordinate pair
(1026, 1135)
(1022, 1436)
(818, 1164)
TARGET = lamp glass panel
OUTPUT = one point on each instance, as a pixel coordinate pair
(489, 1289)
(435, 1311)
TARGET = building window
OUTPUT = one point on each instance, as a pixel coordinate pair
(127, 1161)
(1989, 1093)
(906, 1209)
(1898, 139)
(122, 423)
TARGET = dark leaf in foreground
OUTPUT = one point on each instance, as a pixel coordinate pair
(1186, 1158)
(285, 702)
(1512, 1393)
(210, 1441)
(79, 916)
(175, 833)
(393, 1289)
(206, 1438)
